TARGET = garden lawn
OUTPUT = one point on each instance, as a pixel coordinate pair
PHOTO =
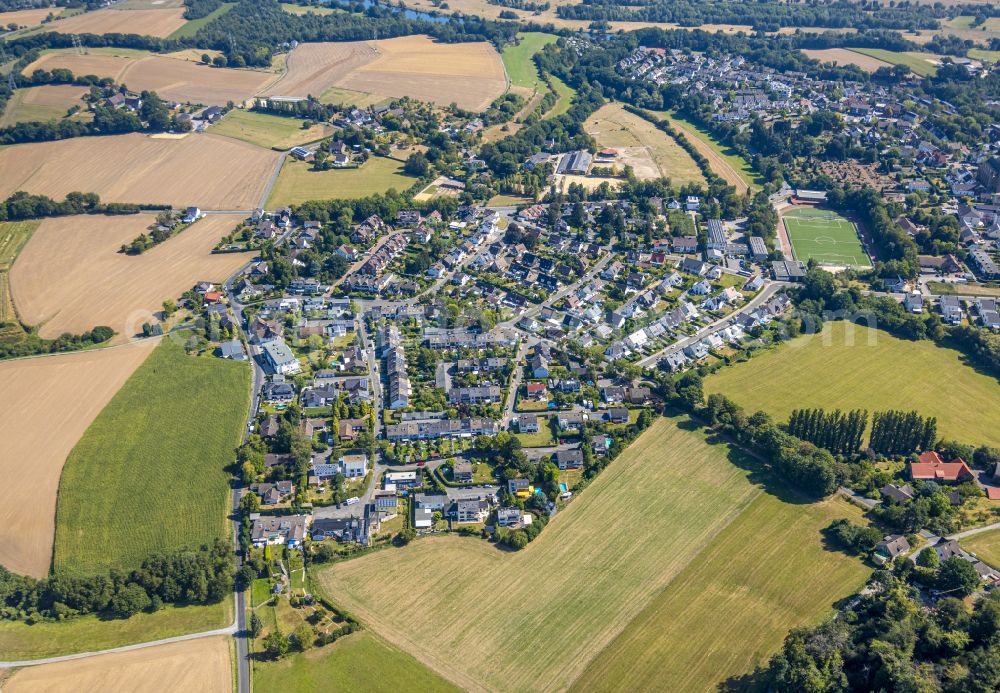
(824, 236)
(150, 473)
(521, 69)
(658, 512)
(919, 63)
(360, 662)
(268, 130)
(297, 183)
(20, 641)
(840, 368)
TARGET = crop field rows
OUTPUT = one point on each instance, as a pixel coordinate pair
(167, 437)
(825, 237)
(13, 236)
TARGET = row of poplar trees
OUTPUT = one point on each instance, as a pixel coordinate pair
(893, 432)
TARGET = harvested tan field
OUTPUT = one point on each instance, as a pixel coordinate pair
(45, 102)
(49, 402)
(27, 17)
(204, 170)
(100, 64)
(640, 144)
(156, 22)
(469, 74)
(842, 56)
(312, 68)
(187, 81)
(192, 665)
(70, 276)
(173, 77)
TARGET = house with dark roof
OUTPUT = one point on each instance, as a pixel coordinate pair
(890, 547)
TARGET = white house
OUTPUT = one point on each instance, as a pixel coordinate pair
(353, 466)
(280, 358)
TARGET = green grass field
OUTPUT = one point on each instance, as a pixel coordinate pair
(297, 183)
(268, 130)
(349, 97)
(968, 289)
(983, 54)
(824, 236)
(565, 94)
(729, 611)
(19, 641)
(517, 59)
(360, 662)
(917, 62)
(827, 370)
(671, 511)
(193, 25)
(985, 545)
(150, 472)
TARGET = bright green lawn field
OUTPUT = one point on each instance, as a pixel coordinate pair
(985, 545)
(268, 130)
(826, 370)
(824, 236)
(150, 472)
(297, 183)
(192, 26)
(360, 662)
(919, 63)
(565, 94)
(20, 641)
(517, 59)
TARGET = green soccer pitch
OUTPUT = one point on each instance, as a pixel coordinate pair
(825, 236)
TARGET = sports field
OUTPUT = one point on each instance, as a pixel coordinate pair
(359, 662)
(839, 368)
(533, 620)
(268, 130)
(71, 277)
(824, 236)
(203, 665)
(48, 404)
(297, 183)
(150, 472)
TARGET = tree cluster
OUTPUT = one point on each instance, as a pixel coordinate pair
(889, 642)
(901, 433)
(840, 433)
(199, 576)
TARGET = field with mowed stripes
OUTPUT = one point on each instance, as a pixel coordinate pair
(534, 620)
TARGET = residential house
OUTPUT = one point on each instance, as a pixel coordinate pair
(288, 529)
(932, 468)
(890, 547)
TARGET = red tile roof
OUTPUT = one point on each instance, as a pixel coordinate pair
(932, 468)
(993, 493)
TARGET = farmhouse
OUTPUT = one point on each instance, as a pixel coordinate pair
(932, 468)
